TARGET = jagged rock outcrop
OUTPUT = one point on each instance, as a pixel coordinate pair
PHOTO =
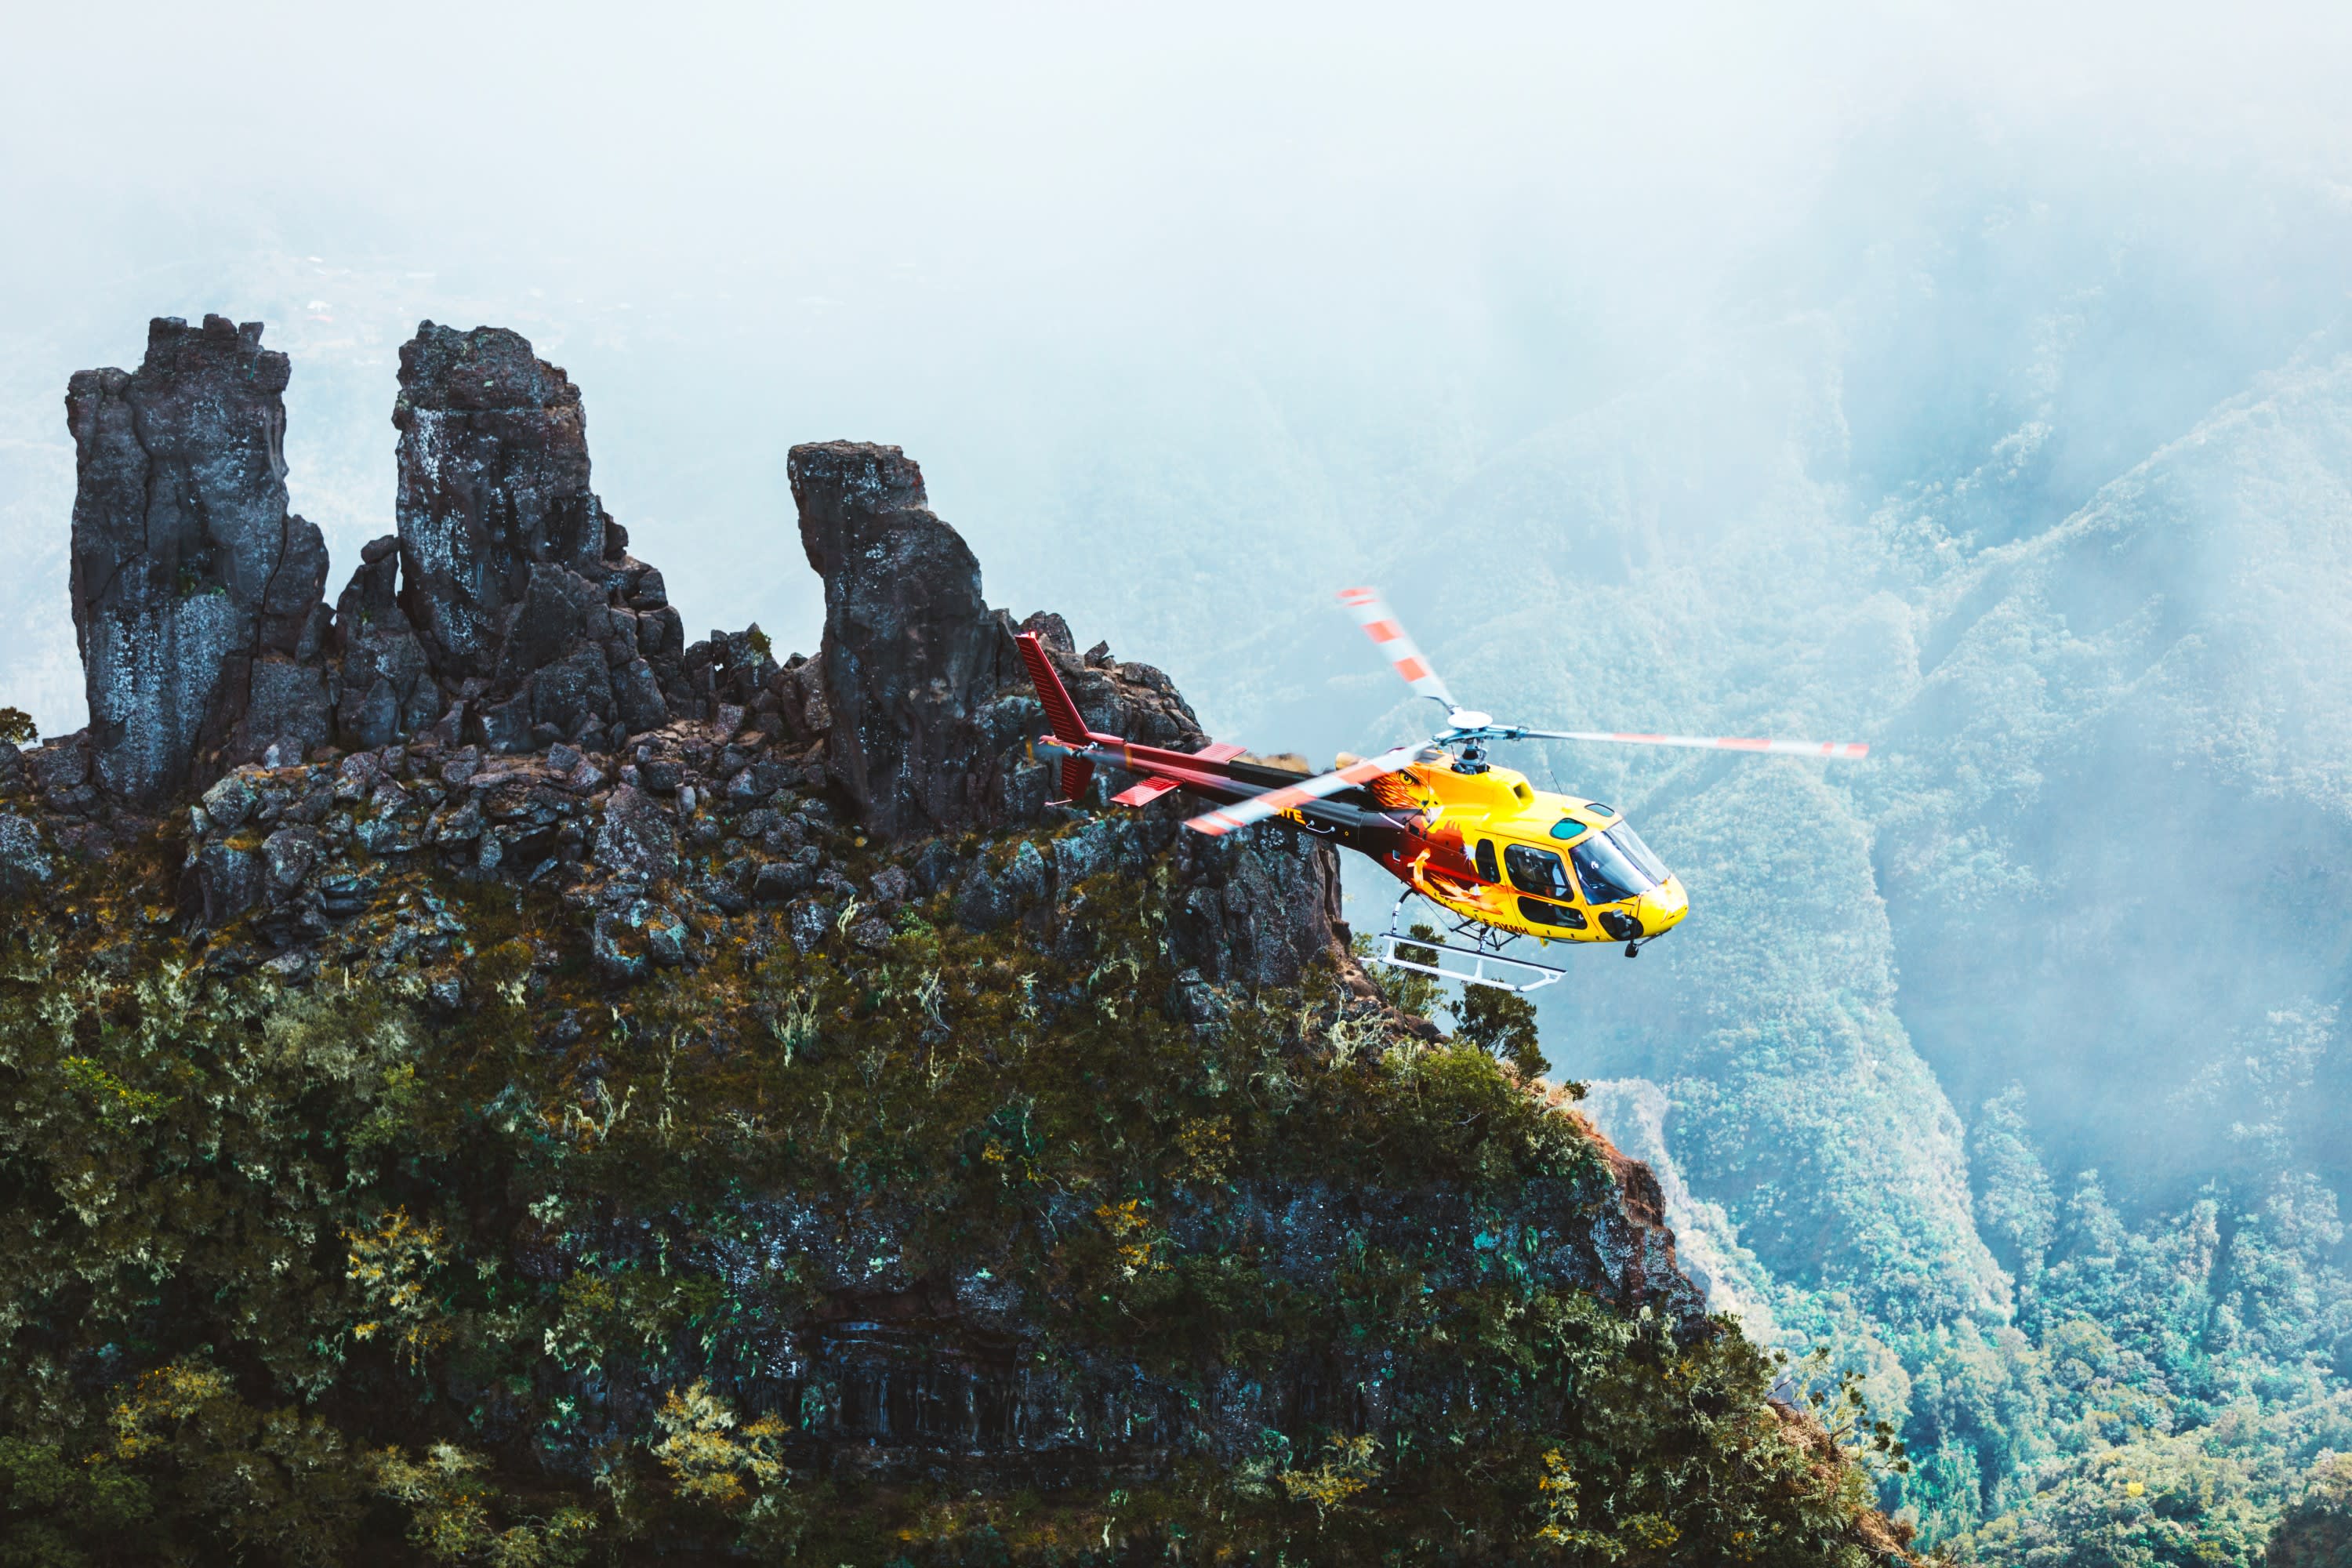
(23, 860)
(507, 612)
(520, 590)
(195, 593)
(1252, 912)
(700, 821)
(506, 616)
(912, 658)
(930, 713)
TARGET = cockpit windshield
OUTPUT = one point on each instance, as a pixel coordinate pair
(1638, 852)
(1607, 871)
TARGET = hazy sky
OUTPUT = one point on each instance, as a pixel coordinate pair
(1013, 239)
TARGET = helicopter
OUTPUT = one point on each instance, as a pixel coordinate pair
(1500, 857)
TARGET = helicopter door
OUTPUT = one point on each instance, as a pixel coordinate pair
(1487, 867)
(1538, 871)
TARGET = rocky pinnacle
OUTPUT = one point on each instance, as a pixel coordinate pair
(912, 656)
(195, 594)
(520, 590)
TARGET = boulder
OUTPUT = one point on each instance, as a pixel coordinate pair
(195, 594)
(23, 860)
(387, 689)
(60, 770)
(636, 838)
(228, 881)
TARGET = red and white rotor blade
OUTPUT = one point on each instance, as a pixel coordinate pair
(1379, 624)
(1289, 797)
(1843, 748)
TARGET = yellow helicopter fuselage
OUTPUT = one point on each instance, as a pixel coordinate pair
(1491, 848)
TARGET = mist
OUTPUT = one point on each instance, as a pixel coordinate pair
(1240, 300)
(1968, 380)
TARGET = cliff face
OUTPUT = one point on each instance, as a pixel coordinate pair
(756, 1119)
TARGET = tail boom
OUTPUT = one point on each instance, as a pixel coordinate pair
(1213, 773)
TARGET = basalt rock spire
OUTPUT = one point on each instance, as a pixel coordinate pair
(520, 590)
(928, 713)
(913, 658)
(507, 616)
(926, 705)
(195, 593)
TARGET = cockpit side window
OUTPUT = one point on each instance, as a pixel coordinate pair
(1487, 867)
(1536, 871)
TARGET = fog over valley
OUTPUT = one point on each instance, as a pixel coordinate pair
(1974, 382)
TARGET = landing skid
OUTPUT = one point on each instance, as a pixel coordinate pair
(1479, 960)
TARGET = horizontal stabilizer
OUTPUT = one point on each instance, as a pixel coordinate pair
(1147, 792)
(1220, 752)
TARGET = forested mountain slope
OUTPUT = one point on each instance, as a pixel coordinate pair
(2013, 1056)
(488, 1082)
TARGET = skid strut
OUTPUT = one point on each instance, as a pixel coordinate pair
(1536, 976)
(1477, 962)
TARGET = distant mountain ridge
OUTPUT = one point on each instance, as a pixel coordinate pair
(2097, 855)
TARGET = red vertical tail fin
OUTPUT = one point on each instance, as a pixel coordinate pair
(1060, 712)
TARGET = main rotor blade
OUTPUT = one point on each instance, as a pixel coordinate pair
(1275, 802)
(1379, 624)
(1841, 749)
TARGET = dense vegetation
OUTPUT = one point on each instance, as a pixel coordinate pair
(2087, 1371)
(1991, 1085)
(344, 1273)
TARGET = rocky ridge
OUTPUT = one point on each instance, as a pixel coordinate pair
(504, 693)
(499, 719)
(506, 612)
